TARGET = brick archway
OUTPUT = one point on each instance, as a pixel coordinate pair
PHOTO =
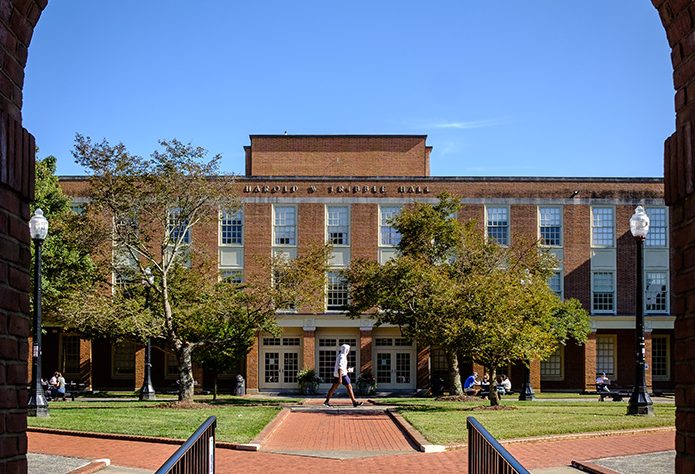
(18, 18)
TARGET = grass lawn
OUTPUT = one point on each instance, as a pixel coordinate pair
(239, 420)
(445, 422)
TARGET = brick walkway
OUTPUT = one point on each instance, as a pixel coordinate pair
(532, 454)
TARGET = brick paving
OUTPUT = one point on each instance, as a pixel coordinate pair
(532, 454)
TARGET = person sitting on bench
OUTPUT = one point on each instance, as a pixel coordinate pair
(602, 383)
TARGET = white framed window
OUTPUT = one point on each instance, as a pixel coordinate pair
(338, 225)
(125, 266)
(337, 292)
(171, 366)
(388, 235)
(497, 224)
(231, 227)
(555, 283)
(602, 227)
(285, 225)
(550, 226)
(553, 367)
(123, 360)
(232, 275)
(603, 292)
(177, 226)
(661, 357)
(658, 227)
(606, 357)
(71, 355)
(656, 292)
(327, 352)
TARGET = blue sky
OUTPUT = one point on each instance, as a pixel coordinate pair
(506, 88)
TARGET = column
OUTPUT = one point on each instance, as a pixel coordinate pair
(423, 368)
(309, 348)
(252, 368)
(366, 350)
(648, 357)
(535, 368)
(139, 367)
(590, 362)
(86, 363)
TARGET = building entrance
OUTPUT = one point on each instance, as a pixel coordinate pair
(395, 363)
(279, 362)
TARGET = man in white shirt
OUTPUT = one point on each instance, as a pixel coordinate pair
(340, 374)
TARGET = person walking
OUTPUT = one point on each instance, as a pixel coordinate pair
(340, 375)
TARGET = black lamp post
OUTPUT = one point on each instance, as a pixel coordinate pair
(640, 403)
(37, 405)
(147, 390)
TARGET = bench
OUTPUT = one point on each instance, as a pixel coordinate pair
(72, 390)
(613, 394)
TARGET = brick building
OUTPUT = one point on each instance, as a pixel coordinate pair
(299, 190)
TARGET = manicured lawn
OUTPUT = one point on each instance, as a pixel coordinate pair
(238, 420)
(445, 422)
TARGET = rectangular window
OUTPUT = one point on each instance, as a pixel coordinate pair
(389, 235)
(550, 226)
(232, 276)
(603, 292)
(438, 360)
(555, 283)
(231, 227)
(498, 224)
(171, 366)
(602, 227)
(285, 225)
(656, 292)
(605, 355)
(123, 360)
(661, 361)
(328, 351)
(658, 228)
(71, 355)
(125, 266)
(338, 225)
(552, 368)
(177, 227)
(337, 294)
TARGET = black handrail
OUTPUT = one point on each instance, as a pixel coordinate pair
(196, 455)
(486, 455)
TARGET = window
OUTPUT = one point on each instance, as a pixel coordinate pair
(603, 292)
(498, 224)
(231, 227)
(438, 360)
(125, 266)
(232, 276)
(328, 350)
(658, 231)
(177, 227)
(602, 227)
(337, 292)
(338, 223)
(123, 360)
(171, 366)
(555, 283)
(552, 368)
(285, 227)
(605, 355)
(389, 235)
(661, 361)
(71, 355)
(550, 226)
(655, 292)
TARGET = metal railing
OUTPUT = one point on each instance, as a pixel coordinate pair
(196, 455)
(486, 455)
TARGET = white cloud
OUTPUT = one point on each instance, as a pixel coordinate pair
(470, 124)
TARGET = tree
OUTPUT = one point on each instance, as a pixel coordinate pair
(66, 263)
(452, 288)
(150, 207)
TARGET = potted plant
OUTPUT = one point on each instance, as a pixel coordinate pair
(308, 381)
(366, 383)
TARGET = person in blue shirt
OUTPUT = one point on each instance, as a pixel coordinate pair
(471, 386)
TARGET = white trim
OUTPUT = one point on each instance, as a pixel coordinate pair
(628, 322)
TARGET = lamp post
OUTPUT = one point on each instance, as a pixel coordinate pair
(37, 405)
(640, 403)
(147, 390)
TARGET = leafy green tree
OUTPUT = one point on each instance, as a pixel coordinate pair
(452, 288)
(150, 207)
(66, 264)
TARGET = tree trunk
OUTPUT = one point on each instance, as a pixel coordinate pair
(214, 387)
(455, 387)
(494, 399)
(183, 355)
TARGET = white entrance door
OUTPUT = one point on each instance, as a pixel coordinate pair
(394, 363)
(327, 352)
(279, 362)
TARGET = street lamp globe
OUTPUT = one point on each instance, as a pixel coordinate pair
(639, 223)
(38, 226)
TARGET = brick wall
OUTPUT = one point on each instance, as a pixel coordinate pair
(302, 155)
